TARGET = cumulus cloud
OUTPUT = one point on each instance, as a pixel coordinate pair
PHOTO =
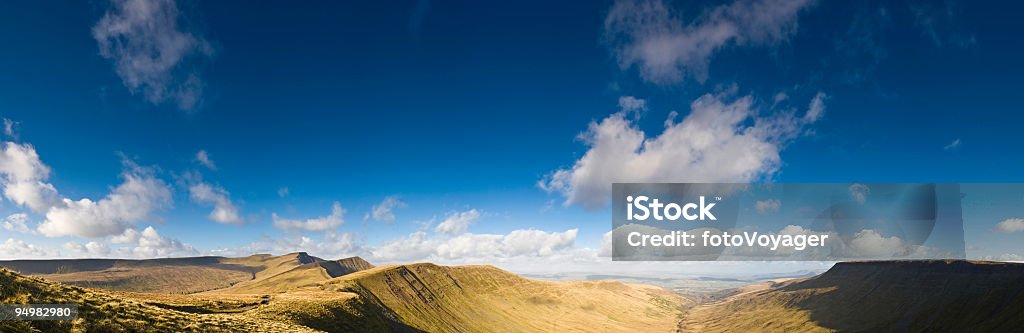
(92, 249)
(323, 223)
(135, 199)
(385, 210)
(329, 245)
(17, 222)
(665, 48)
(204, 158)
(18, 249)
(282, 192)
(1010, 225)
(870, 243)
(417, 246)
(151, 51)
(457, 222)
(23, 176)
(721, 140)
(224, 211)
(767, 206)
(149, 243)
(468, 246)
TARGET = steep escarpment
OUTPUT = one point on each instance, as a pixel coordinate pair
(914, 296)
(436, 298)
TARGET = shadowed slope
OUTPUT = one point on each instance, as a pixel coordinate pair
(915, 296)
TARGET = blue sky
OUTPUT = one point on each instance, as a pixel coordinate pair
(475, 107)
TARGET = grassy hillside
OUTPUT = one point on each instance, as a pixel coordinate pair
(435, 298)
(301, 293)
(102, 312)
(259, 273)
(290, 271)
(173, 275)
(914, 296)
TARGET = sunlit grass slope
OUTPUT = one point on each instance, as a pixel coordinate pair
(102, 312)
(436, 298)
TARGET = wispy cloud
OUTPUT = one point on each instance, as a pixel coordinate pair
(204, 158)
(952, 145)
(385, 210)
(651, 36)
(457, 222)
(940, 22)
(224, 210)
(323, 223)
(151, 51)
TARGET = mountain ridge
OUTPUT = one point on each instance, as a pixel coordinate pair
(909, 295)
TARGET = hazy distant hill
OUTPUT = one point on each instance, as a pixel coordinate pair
(903, 296)
(191, 275)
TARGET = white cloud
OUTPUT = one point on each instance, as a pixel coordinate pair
(17, 222)
(224, 211)
(92, 249)
(767, 206)
(869, 243)
(1006, 257)
(129, 236)
(10, 128)
(859, 192)
(135, 199)
(1010, 225)
(415, 247)
(468, 246)
(816, 109)
(323, 223)
(204, 158)
(952, 145)
(24, 177)
(151, 244)
(329, 245)
(457, 222)
(384, 211)
(150, 50)
(651, 36)
(18, 249)
(282, 192)
(630, 103)
(719, 141)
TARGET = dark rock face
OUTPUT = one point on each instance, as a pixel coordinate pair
(913, 296)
